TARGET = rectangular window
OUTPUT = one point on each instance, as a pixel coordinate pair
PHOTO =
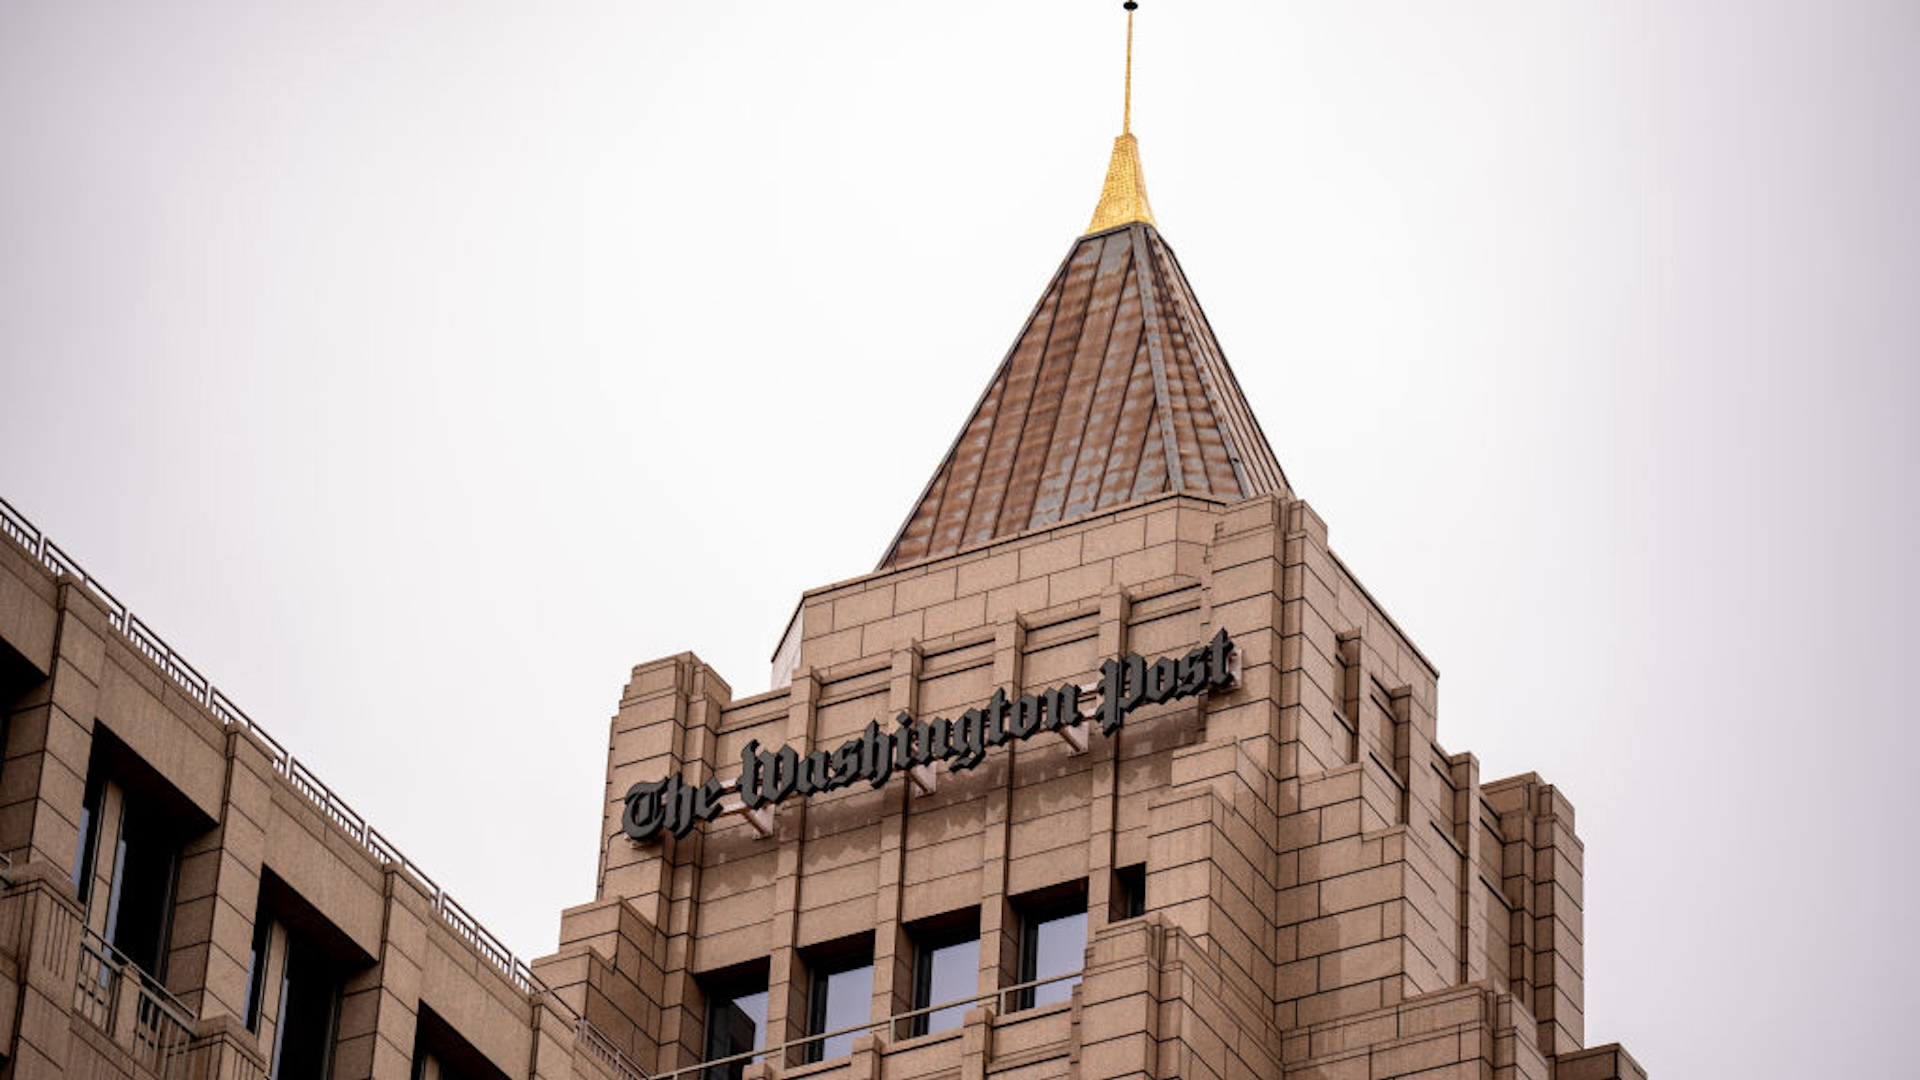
(840, 995)
(1053, 943)
(309, 1004)
(83, 852)
(1129, 892)
(736, 1022)
(441, 1053)
(140, 901)
(257, 968)
(946, 969)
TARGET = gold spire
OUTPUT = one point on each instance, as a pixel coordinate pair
(1123, 198)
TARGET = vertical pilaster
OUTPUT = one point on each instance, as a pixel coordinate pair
(379, 1006)
(1104, 786)
(49, 738)
(786, 974)
(999, 922)
(219, 890)
(892, 950)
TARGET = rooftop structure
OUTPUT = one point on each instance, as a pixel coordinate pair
(1111, 769)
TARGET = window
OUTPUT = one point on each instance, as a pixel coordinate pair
(84, 851)
(1053, 943)
(946, 968)
(309, 996)
(840, 995)
(442, 1053)
(736, 1020)
(257, 968)
(140, 900)
(1129, 892)
(293, 985)
(130, 830)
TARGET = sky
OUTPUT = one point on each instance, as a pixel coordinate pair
(416, 369)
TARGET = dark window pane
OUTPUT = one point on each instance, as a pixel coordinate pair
(83, 852)
(735, 1025)
(257, 970)
(1129, 891)
(141, 902)
(303, 1042)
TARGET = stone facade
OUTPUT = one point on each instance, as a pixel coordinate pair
(276, 934)
(1328, 893)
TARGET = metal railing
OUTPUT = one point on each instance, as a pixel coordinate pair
(1011, 999)
(15, 524)
(601, 1049)
(151, 1024)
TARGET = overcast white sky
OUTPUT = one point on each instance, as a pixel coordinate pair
(418, 368)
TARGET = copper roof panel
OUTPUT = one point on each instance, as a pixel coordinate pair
(1115, 390)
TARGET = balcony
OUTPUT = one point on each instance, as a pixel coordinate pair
(133, 1010)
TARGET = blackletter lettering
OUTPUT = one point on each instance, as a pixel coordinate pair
(969, 739)
(814, 771)
(1163, 680)
(1062, 707)
(675, 806)
(1023, 719)
(846, 765)
(996, 710)
(642, 817)
(939, 741)
(1122, 684)
(1193, 673)
(876, 755)
(1218, 674)
(753, 766)
(903, 743)
(782, 775)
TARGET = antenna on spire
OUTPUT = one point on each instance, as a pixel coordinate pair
(1123, 198)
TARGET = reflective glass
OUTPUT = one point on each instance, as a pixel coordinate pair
(846, 1000)
(1059, 947)
(953, 974)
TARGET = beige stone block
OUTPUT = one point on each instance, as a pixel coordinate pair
(860, 608)
(1151, 564)
(1361, 963)
(1378, 885)
(1050, 556)
(1341, 820)
(1078, 583)
(1334, 1004)
(955, 616)
(886, 635)
(1008, 601)
(1336, 932)
(1122, 536)
(933, 587)
(986, 574)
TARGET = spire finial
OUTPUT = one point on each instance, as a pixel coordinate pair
(1123, 198)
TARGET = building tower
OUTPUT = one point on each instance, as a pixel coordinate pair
(1110, 768)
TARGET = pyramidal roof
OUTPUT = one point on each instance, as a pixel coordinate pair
(1115, 390)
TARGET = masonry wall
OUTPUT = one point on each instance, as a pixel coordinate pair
(256, 833)
(1305, 838)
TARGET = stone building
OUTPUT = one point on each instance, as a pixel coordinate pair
(1110, 769)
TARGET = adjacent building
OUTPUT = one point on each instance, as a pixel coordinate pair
(1110, 768)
